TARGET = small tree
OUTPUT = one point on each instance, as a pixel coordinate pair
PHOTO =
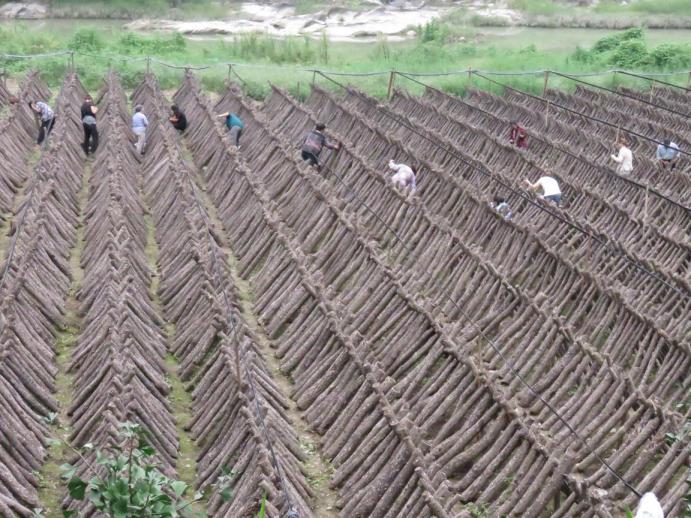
(129, 483)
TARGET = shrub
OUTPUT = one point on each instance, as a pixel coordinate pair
(87, 40)
(611, 42)
(629, 54)
(670, 56)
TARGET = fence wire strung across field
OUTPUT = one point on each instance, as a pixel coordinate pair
(492, 344)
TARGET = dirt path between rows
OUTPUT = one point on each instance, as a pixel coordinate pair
(318, 469)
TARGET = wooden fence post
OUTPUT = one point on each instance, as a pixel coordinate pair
(392, 77)
(645, 204)
(544, 86)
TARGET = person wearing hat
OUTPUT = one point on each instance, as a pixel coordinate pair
(139, 125)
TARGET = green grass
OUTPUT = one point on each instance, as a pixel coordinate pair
(262, 59)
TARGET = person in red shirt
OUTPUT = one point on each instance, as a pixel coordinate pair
(518, 136)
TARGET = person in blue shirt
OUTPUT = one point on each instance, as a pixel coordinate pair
(667, 154)
(43, 111)
(139, 125)
(235, 126)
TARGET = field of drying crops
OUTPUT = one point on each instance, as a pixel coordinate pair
(347, 348)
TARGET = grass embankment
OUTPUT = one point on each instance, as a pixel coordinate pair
(441, 46)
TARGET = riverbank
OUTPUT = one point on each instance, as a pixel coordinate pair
(352, 19)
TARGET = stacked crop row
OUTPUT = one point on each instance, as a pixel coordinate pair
(503, 165)
(288, 119)
(344, 268)
(569, 283)
(676, 99)
(118, 361)
(585, 137)
(17, 140)
(640, 116)
(34, 284)
(239, 419)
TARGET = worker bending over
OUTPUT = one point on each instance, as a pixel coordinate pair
(234, 125)
(624, 158)
(314, 143)
(404, 177)
(47, 117)
(178, 119)
(667, 154)
(518, 135)
(502, 208)
(89, 111)
(549, 188)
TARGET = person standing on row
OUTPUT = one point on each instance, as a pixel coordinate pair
(624, 158)
(47, 117)
(89, 111)
(139, 126)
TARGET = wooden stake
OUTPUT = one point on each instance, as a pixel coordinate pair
(470, 74)
(314, 77)
(645, 206)
(392, 77)
(148, 64)
(544, 87)
(230, 69)
(72, 61)
(547, 113)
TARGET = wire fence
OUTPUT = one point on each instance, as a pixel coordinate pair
(149, 60)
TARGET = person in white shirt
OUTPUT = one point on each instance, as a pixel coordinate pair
(405, 176)
(549, 187)
(624, 158)
(139, 125)
(649, 507)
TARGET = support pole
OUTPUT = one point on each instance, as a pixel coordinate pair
(470, 75)
(688, 81)
(148, 64)
(314, 77)
(652, 90)
(645, 205)
(392, 77)
(544, 86)
(230, 70)
(72, 61)
(547, 113)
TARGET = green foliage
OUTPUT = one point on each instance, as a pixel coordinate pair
(262, 47)
(86, 40)
(670, 57)
(627, 49)
(629, 54)
(127, 482)
(262, 509)
(432, 31)
(131, 43)
(543, 7)
(613, 41)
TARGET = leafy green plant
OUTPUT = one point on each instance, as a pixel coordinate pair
(126, 481)
(86, 40)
